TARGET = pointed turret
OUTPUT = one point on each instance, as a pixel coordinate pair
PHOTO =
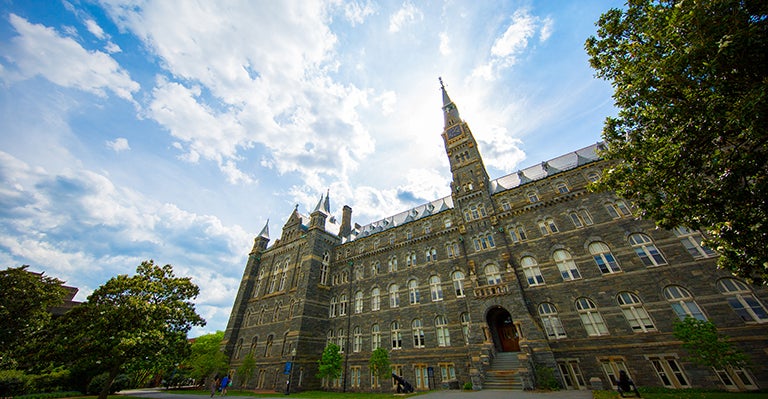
(261, 241)
(322, 210)
(450, 111)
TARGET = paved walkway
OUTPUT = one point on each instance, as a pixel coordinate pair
(447, 394)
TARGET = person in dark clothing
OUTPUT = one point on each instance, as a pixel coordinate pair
(626, 385)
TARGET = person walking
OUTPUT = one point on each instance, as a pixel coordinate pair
(214, 384)
(224, 384)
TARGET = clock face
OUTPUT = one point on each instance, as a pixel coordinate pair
(454, 131)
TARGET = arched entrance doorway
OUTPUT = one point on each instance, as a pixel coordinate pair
(503, 330)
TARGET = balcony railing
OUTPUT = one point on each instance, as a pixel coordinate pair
(491, 290)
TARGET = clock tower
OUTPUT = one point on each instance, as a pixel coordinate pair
(470, 186)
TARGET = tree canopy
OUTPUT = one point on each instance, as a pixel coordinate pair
(206, 358)
(329, 365)
(690, 141)
(25, 302)
(131, 320)
(705, 346)
(379, 362)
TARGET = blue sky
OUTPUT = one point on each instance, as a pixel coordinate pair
(172, 130)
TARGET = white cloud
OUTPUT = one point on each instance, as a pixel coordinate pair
(356, 12)
(407, 14)
(112, 48)
(94, 28)
(513, 42)
(546, 29)
(119, 144)
(39, 50)
(70, 221)
(445, 44)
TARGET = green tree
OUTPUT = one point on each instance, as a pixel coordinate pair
(380, 363)
(246, 369)
(690, 142)
(329, 365)
(705, 346)
(206, 358)
(131, 320)
(25, 302)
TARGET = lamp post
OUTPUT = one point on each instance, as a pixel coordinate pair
(290, 372)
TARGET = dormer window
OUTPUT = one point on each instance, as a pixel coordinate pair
(532, 196)
(561, 188)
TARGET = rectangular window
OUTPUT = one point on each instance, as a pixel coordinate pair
(571, 374)
(356, 372)
(420, 375)
(611, 367)
(447, 371)
(669, 372)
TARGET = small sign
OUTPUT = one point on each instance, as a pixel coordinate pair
(288, 366)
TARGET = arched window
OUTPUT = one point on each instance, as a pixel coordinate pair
(604, 258)
(593, 177)
(343, 305)
(435, 289)
(324, 268)
(254, 342)
(330, 337)
(394, 297)
(359, 302)
(268, 346)
(517, 233)
(357, 340)
(458, 283)
(375, 268)
(441, 329)
(590, 317)
(561, 188)
(691, 240)
(340, 338)
(636, 315)
(283, 277)
(375, 337)
(396, 334)
(644, 248)
(430, 254)
(418, 333)
(332, 308)
(618, 209)
(492, 275)
(742, 301)
(465, 321)
(682, 303)
(413, 292)
(551, 321)
(452, 249)
(566, 265)
(238, 348)
(531, 270)
(375, 298)
(392, 264)
(548, 226)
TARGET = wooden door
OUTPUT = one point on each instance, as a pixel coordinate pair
(508, 337)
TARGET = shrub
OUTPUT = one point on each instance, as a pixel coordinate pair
(97, 383)
(55, 381)
(13, 383)
(545, 378)
(468, 386)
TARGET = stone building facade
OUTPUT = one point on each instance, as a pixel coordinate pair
(485, 285)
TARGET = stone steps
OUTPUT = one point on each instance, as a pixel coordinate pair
(504, 372)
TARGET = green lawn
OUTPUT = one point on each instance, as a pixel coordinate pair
(305, 394)
(685, 394)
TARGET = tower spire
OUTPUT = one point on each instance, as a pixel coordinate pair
(450, 112)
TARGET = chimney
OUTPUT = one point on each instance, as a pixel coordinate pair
(346, 221)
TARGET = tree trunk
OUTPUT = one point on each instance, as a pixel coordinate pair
(105, 390)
